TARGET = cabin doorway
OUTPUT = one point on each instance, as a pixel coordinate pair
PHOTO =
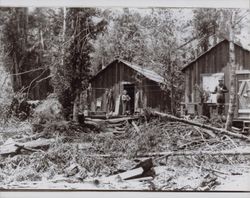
(131, 92)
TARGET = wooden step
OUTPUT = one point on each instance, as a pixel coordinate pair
(246, 125)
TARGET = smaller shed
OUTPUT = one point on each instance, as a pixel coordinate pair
(204, 71)
(142, 85)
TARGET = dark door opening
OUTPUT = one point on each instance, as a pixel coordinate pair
(131, 92)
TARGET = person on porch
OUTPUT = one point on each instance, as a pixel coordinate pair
(125, 103)
(220, 90)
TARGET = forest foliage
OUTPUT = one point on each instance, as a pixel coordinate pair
(57, 50)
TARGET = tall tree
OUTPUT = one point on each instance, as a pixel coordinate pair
(26, 39)
(75, 72)
(234, 22)
(205, 22)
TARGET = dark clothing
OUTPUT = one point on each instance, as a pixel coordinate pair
(220, 90)
(125, 103)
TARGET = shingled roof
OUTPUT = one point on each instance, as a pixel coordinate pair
(211, 48)
(149, 74)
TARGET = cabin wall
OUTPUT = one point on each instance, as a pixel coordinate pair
(242, 57)
(214, 61)
(108, 79)
(156, 98)
(114, 76)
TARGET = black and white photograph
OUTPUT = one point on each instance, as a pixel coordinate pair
(153, 99)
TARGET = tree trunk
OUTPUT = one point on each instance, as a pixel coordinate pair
(172, 100)
(232, 65)
(76, 109)
(64, 33)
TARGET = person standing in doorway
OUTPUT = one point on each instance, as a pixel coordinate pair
(220, 90)
(125, 102)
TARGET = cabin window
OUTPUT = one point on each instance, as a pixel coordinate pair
(209, 82)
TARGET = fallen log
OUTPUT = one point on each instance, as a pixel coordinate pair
(127, 174)
(214, 129)
(39, 143)
(118, 120)
(20, 147)
(15, 147)
(93, 124)
(95, 121)
(179, 153)
(176, 153)
(206, 131)
(8, 149)
(120, 128)
(118, 132)
(140, 179)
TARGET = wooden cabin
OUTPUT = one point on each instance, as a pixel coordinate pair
(205, 71)
(141, 84)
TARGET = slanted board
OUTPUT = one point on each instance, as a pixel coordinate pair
(244, 95)
(117, 105)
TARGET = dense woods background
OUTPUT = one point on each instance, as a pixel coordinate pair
(47, 50)
(48, 56)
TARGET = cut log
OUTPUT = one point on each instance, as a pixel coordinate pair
(214, 129)
(25, 148)
(121, 124)
(120, 129)
(99, 121)
(118, 120)
(118, 132)
(71, 170)
(142, 179)
(15, 147)
(39, 143)
(128, 174)
(93, 124)
(8, 150)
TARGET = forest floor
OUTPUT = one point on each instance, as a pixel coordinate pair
(64, 155)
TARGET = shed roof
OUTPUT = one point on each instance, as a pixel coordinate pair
(210, 49)
(149, 74)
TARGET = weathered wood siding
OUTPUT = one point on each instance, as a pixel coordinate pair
(118, 72)
(213, 61)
